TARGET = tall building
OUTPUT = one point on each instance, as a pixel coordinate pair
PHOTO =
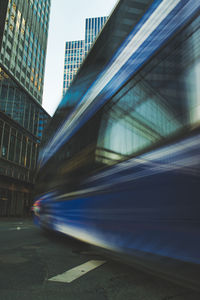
(74, 55)
(75, 51)
(93, 27)
(23, 42)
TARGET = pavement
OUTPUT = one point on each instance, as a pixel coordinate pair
(35, 265)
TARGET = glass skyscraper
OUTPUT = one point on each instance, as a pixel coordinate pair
(23, 42)
(74, 55)
(93, 27)
(75, 51)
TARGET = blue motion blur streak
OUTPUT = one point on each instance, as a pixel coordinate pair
(143, 204)
(133, 53)
(167, 159)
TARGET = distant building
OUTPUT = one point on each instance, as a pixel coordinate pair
(23, 42)
(93, 27)
(74, 55)
(75, 51)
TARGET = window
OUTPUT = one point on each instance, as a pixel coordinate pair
(12, 147)
(4, 151)
(160, 102)
(23, 153)
(18, 150)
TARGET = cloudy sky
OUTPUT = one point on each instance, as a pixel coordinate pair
(67, 22)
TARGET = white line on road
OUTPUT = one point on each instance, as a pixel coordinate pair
(79, 271)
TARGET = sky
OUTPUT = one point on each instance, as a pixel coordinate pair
(67, 23)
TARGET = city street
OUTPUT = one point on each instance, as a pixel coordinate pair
(30, 262)
(99, 140)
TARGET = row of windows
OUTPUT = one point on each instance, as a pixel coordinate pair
(92, 28)
(74, 58)
(74, 55)
(12, 15)
(41, 19)
(14, 202)
(159, 103)
(69, 75)
(20, 107)
(17, 147)
(28, 48)
(23, 51)
(95, 23)
(68, 79)
(69, 68)
(75, 50)
(90, 40)
(23, 74)
(66, 84)
(42, 4)
(27, 44)
(29, 59)
(40, 13)
(162, 101)
(74, 45)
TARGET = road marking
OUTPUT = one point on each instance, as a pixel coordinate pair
(77, 272)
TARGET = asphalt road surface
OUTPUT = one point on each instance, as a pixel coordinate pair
(34, 266)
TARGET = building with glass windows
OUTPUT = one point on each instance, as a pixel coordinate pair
(74, 55)
(75, 51)
(93, 27)
(23, 42)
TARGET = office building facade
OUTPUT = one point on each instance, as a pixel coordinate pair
(23, 42)
(93, 27)
(74, 55)
(75, 51)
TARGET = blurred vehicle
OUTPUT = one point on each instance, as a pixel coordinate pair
(120, 166)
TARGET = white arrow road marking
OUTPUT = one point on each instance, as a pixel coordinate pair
(77, 272)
